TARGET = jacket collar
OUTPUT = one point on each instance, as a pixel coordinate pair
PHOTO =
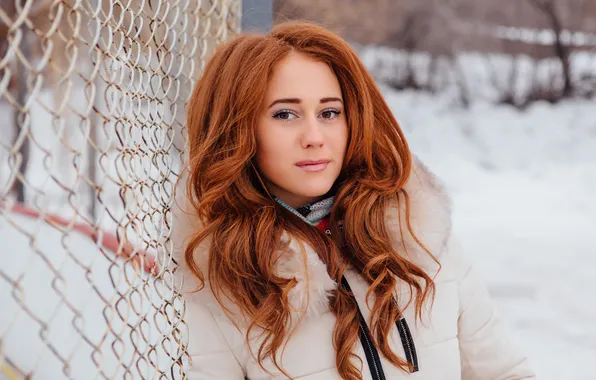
(311, 213)
(430, 218)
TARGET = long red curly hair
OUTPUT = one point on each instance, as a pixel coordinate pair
(245, 224)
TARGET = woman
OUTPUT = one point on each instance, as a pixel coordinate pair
(312, 243)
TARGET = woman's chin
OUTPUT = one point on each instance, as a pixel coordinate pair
(315, 190)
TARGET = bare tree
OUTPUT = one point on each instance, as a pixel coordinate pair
(549, 9)
(444, 29)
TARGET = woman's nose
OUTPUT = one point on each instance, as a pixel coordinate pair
(312, 134)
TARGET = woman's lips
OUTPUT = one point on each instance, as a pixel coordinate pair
(314, 167)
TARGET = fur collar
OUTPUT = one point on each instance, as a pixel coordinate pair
(430, 220)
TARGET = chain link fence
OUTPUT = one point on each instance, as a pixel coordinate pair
(92, 108)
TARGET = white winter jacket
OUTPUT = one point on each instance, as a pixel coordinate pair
(460, 336)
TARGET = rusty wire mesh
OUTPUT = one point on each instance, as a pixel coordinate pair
(92, 101)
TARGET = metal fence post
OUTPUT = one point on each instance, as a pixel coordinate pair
(257, 15)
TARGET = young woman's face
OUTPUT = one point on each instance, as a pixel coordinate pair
(301, 132)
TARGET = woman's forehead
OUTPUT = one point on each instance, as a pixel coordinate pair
(299, 76)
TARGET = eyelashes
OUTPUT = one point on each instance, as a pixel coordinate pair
(278, 115)
(332, 111)
(286, 115)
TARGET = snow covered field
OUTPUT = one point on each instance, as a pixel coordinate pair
(523, 186)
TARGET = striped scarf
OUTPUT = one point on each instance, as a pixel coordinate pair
(311, 213)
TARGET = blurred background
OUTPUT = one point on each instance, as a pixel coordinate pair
(496, 97)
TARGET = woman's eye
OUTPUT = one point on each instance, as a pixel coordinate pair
(284, 115)
(330, 114)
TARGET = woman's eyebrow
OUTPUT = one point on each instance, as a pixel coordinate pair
(327, 100)
(286, 100)
(298, 101)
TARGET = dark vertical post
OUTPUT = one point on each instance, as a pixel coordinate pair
(19, 117)
(257, 15)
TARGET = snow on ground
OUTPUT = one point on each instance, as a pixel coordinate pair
(523, 187)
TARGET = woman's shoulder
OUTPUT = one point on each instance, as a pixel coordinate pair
(429, 217)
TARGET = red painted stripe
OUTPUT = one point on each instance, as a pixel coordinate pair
(109, 241)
